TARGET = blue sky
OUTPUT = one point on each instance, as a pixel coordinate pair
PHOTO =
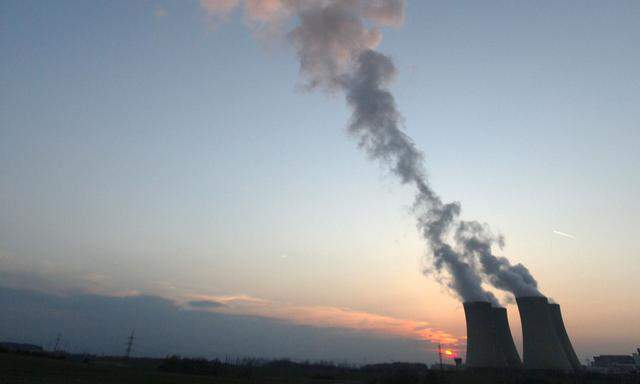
(159, 154)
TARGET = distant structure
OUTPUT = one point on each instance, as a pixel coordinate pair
(56, 343)
(613, 360)
(616, 363)
(130, 340)
(542, 345)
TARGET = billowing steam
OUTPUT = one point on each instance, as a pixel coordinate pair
(476, 242)
(335, 41)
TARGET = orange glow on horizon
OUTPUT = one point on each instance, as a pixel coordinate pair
(332, 317)
(449, 353)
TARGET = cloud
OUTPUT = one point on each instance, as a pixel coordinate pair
(237, 301)
(54, 279)
(95, 284)
(205, 304)
(335, 41)
(326, 316)
(266, 11)
(332, 317)
(380, 12)
(101, 324)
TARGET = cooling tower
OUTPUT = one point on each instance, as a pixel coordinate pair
(482, 344)
(504, 338)
(556, 317)
(542, 348)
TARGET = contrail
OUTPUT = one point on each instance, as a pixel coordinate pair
(563, 234)
(335, 41)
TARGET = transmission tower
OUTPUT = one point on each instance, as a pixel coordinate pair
(130, 339)
(56, 344)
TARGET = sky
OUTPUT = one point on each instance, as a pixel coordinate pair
(150, 151)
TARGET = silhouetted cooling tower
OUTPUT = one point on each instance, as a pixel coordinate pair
(542, 348)
(504, 338)
(482, 345)
(556, 317)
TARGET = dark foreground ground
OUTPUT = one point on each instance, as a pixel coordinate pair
(16, 368)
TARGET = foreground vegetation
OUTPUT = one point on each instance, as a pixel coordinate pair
(24, 368)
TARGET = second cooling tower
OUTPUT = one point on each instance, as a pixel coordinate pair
(482, 342)
(542, 348)
(504, 338)
(556, 318)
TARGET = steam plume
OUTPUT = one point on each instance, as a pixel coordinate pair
(335, 41)
(375, 122)
(476, 241)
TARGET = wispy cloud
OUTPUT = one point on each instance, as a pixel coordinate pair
(237, 304)
(205, 304)
(332, 317)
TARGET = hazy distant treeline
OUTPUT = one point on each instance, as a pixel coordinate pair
(323, 370)
(391, 373)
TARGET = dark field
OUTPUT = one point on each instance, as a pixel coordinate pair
(27, 369)
(16, 368)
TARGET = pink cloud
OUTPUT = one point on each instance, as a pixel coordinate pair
(332, 317)
(265, 10)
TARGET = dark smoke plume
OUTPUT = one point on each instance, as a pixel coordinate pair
(335, 41)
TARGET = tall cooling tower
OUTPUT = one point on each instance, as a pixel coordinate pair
(504, 338)
(482, 344)
(556, 317)
(542, 348)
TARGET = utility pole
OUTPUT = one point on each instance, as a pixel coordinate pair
(440, 356)
(130, 339)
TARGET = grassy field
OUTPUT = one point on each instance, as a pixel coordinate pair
(25, 369)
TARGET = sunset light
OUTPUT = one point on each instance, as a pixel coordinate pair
(361, 191)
